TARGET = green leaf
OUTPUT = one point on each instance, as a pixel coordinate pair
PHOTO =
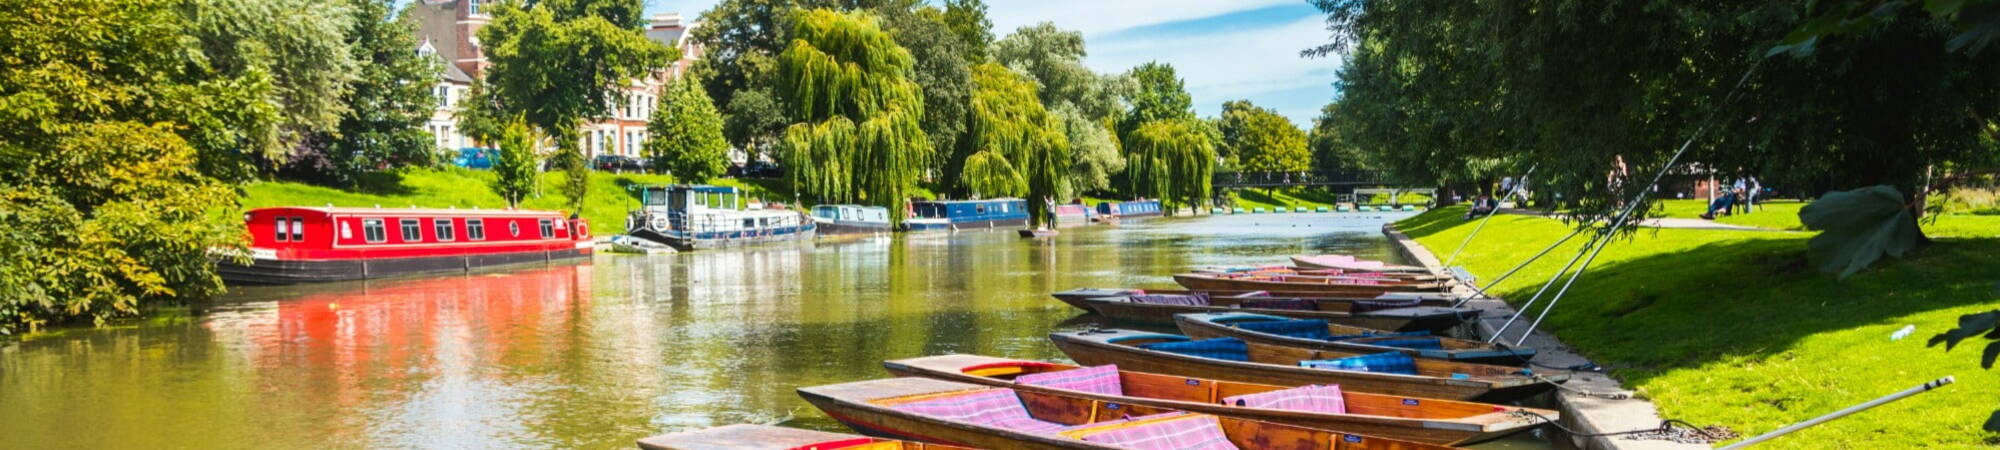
(1857, 228)
(1943, 7)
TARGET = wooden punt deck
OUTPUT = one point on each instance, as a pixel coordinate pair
(1077, 297)
(1215, 325)
(1210, 282)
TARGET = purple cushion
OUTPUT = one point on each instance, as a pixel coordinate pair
(1319, 399)
(1196, 432)
(1096, 380)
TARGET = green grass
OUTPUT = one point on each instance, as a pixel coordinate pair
(1777, 214)
(605, 206)
(1734, 329)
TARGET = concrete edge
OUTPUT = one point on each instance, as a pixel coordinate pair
(1580, 412)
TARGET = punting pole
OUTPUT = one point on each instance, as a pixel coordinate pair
(1906, 393)
(1479, 292)
(1489, 215)
(1525, 306)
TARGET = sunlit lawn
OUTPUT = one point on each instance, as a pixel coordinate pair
(1734, 329)
(1780, 214)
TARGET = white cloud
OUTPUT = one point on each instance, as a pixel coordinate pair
(1260, 64)
(1101, 16)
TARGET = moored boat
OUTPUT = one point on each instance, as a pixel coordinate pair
(766, 437)
(689, 217)
(1427, 420)
(1236, 360)
(1252, 282)
(990, 417)
(1319, 334)
(1131, 210)
(1076, 297)
(1389, 315)
(1033, 233)
(300, 245)
(842, 220)
(958, 215)
(1318, 272)
(1072, 214)
(1348, 262)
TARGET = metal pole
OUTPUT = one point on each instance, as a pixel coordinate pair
(1489, 215)
(1545, 288)
(1906, 393)
(1478, 292)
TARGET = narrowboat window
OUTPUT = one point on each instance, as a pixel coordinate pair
(298, 229)
(372, 230)
(513, 229)
(979, 209)
(475, 229)
(278, 231)
(1003, 207)
(548, 228)
(346, 232)
(443, 229)
(412, 231)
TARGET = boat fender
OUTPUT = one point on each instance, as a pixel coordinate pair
(660, 223)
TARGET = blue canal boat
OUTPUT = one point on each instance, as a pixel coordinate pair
(835, 220)
(1131, 210)
(967, 215)
(689, 217)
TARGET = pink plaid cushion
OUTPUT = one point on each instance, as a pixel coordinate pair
(1198, 432)
(1122, 420)
(1320, 399)
(1096, 380)
(998, 408)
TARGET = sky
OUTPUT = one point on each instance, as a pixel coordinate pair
(1223, 49)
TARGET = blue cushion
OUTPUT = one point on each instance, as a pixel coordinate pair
(1363, 335)
(1219, 348)
(1391, 362)
(1309, 329)
(1419, 343)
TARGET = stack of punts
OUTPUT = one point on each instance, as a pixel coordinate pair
(1394, 315)
(1237, 360)
(1348, 262)
(1320, 334)
(1361, 286)
(1076, 297)
(993, 417)
(765, 437)
(1417, 419)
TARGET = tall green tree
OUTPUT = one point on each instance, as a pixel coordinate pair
(515, 169)
(106, 112)
(1093, 153)
(1022, 148)
(1259, 139)
(386, 106)
(559, 62)
(1158, 94)
(686, 134)
(967, 20)
(847, 85)
(303, 53)
(1330, 154)
(940, 71)
(1053, 57)
(1172, 160)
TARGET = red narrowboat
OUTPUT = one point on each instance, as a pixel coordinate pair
(301, 245)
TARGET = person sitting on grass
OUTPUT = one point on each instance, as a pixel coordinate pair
(1482, 205)
(1721, 205)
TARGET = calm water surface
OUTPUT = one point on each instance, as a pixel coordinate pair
(597, 355)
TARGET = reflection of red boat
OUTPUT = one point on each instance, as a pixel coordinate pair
(296, 245)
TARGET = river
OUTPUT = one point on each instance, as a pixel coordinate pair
(597, 355)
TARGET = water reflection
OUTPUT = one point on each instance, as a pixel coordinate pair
(596, 355)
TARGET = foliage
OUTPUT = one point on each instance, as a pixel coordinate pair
(106, 113)
(1259, 139)
(940, 71)
(752, 119)
(1976, 23)
(300, 52)
(1329, 152)
(1858, 227)
(1053, 57)
(479, 114)
(846, 84)
(967, 20)
(556, 62)
(1456, 92)
(1171, 160)
(1093, 153)
(386, 106)
(1157, 95)
(687, 134)
(514, 171)
(1011, 129)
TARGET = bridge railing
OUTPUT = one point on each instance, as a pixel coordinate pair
(1307, 178)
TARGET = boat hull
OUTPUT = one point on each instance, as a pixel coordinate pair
(1096, 351)
(1308, 262)
(765, 437)
(277, 271)
(1422, 318)
(843, 228)
(1198, 326)
(1079, 297)
(1483, 423)
(724, 239)
(1210, 283)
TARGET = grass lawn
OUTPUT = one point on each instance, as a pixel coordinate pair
(1268, 199)
(1778, 214)
(604, 207)
(1734, 329)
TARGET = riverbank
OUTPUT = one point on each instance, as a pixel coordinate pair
(1732, 328)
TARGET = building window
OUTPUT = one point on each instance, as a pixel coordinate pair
(472, 7)
(298, 229)
(548, 228)
(475, 229)
(412, 230)
(278, 231)
(443, 229)
(373, 231)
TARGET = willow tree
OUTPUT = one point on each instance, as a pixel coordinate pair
(856, 133)
(1019, 148)
(1172, 160)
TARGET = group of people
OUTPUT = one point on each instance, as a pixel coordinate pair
(1740, 196)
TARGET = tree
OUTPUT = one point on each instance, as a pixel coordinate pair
(687, 134)
(847, 86)
(558, 62)
(1022, 148)
(940, 71)
(1329, 153)
(301, 52)
(753, 120)
(967, 20)
(1171, 160)
(1093, 153)
(1053, 57)
(514, 170)
(1259, 139)
(107, 114)
(1158, 95)
(386, 106)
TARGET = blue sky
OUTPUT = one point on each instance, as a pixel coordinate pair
(1223, 49)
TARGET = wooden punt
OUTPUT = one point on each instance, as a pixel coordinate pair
(1434, 319)
(1346, 262)
(877, 407)
(766, 437)
(1215, 282)
(1231, 325)
(1279, 365)
(1428, 420)
(1321, 272)
(1076, 297)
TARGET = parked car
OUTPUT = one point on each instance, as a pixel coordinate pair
(618, 163)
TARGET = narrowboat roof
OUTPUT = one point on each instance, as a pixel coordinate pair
(413, 211)
(702, 188)
(990, 200)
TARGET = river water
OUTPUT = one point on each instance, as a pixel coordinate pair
(597, 355)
